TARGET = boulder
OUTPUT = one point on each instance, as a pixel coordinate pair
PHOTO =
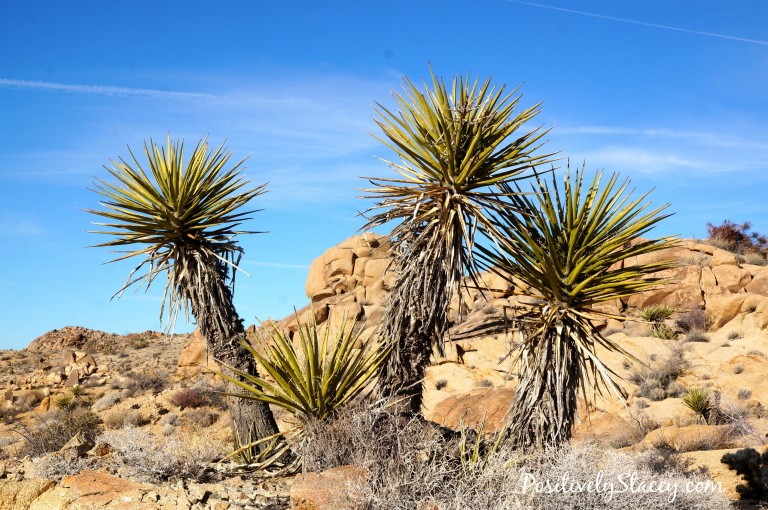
(721, 309)
(195, 358)
(94, 490)
(471, 409)
(334, 489)
(723, 258)
(45, 405)
(19, 495)
(731, 277)
(759, 284)
(73, 379)
(316, 277)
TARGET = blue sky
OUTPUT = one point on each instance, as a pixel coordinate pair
(669, 93)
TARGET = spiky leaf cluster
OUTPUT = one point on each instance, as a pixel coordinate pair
(181, 215)
(570, 251)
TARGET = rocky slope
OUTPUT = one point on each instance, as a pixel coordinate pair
(138, 380)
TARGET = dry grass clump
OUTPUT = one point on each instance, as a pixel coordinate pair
(125, 418)
(696, 336)
(692, 320)
(413, 464)
(143, 382)
(658, 380)
(55, 429)
(744, 394)
(107, 401)
(200, 418)
(141, 455)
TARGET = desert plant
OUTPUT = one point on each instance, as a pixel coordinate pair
(567, 250)
(144, 456)
(737, 369)
(413, 466)
(151, 381)
(314, 379)
(744, 393)
(200, 418)
(690, 320)
(107, 401)
(658, 380)
(657, 313)
(734, 335)
(187, 397)
(184, 218)
(453, 147)
(753, 467)
(124, 418)
(663, 332)
(54, 430)
(698, 401)
(696, 336)
(737, 238)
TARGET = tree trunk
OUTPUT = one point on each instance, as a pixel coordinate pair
(544, 408)
(212, 306)
(251, 419)
(416, 322)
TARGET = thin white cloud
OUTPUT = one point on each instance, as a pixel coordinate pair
(277, 265)
(15, 226)
(103, 89)
(622, 158)
(643, 23)
(710, 139)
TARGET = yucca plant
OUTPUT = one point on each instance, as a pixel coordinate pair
(180, 217)
(698, 401)
(567, 250)
(311, 380)
(453, 146)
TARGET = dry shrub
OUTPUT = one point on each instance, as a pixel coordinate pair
(57, 465)
(55, 429)
(125, 418)
(145, 457)
(200, 418)
(658, 380)
(412, 464)
(143, 382)
(692, 320)
(188, 397)
(107, 401)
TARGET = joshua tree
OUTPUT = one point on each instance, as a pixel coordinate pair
(567, 253)
(181, 219)
(453, 146)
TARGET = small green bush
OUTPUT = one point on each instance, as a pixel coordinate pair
(657, 313)
(698, 401)
(663, 332)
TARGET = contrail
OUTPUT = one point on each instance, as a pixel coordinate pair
(103, 90)
(642, 23)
